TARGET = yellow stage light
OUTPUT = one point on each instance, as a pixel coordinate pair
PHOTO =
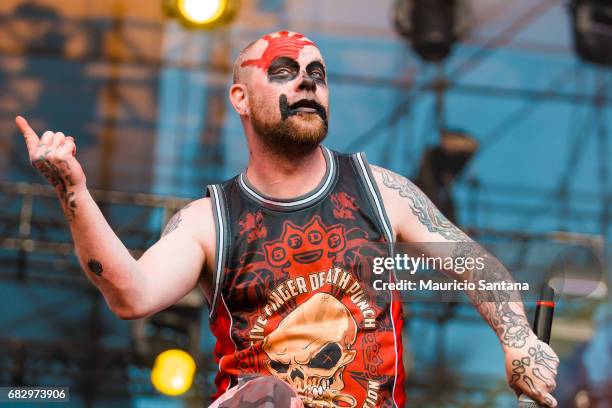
(173, 372)
(202, 14)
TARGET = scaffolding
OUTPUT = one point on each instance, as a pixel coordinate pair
(36, 248)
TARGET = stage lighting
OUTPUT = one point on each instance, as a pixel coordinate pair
(202, 14)
(433, 21)
(441, 164)
(592, 23)
(173, 372)
(432, 26)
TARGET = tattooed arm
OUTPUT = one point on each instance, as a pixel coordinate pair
(132, 288)
(502, 310)
(424, 223)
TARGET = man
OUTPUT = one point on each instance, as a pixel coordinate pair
(282, 250)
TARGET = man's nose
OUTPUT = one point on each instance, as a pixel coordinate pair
(307, 83)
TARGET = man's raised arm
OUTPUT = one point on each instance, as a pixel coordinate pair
(531, 365)
(132, 288)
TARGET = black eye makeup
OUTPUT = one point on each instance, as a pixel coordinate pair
(283, 69)
(317, 71)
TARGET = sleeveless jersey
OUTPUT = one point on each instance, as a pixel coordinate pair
(292, 289)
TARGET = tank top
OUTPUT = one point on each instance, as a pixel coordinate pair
(292, 292)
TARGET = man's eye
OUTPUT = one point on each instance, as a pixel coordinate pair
(317, 75)
(282, 71)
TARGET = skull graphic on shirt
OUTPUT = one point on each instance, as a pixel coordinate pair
(310, 349)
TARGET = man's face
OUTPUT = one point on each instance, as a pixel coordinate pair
(288, 94)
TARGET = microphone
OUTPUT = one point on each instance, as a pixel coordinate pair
(542, 325)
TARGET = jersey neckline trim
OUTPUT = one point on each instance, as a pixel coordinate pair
(299, 202)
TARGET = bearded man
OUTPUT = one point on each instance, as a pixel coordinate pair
(283, 252)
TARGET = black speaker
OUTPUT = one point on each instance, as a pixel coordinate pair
(592, 22)
(433, 23)
(441, 164)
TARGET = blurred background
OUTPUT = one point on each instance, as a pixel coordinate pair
(499, 110)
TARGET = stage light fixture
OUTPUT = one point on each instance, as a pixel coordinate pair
(592, 23)
(433, 22)
(432, 26)
(202, 14)
(173, 372)
(441, 164)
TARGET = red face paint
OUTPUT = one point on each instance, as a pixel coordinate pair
(284, 45)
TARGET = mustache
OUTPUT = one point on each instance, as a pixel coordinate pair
(288, 110)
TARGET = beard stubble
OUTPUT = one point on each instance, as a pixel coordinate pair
(294, 136)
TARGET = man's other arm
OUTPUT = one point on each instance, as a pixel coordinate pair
(415, 219)
(165, 273)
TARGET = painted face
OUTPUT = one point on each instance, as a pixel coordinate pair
(288, 94)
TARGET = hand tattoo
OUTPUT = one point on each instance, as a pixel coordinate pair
(542, 358)
(519, 370)
(538, 364)
(95, 267)
(60, 179)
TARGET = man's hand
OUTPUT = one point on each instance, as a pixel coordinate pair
(53, 156)
(531, 370)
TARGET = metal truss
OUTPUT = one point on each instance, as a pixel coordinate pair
(32, 223)
(35, 248)
(35, 245)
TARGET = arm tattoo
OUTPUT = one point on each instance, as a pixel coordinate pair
(61, 180)
(174, 222)
(421, 206)
(497, 307)
(511, 327)
(95, 267)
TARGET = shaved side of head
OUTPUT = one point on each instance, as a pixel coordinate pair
(243, 56)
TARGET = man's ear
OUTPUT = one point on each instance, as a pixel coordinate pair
(239, 98)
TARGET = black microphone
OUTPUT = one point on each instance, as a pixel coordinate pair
(542, 325)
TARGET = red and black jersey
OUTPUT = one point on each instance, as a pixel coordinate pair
(292, 289)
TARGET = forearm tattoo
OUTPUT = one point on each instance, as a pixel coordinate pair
(95, 267)
(495, 307)
(60, 178)
(174, 222)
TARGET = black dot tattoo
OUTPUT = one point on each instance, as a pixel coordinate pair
(95, 267)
